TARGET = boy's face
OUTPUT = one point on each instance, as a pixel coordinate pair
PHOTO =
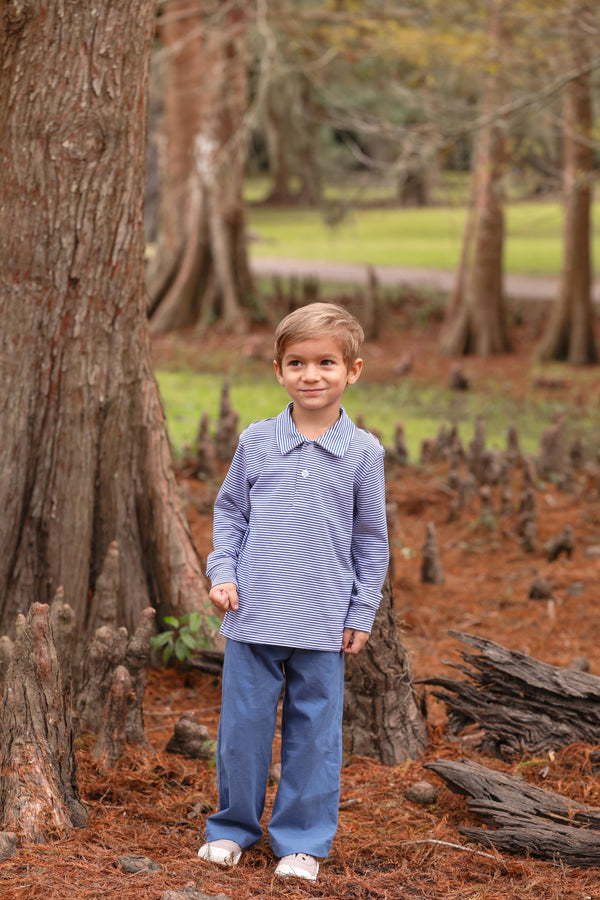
(315, 374)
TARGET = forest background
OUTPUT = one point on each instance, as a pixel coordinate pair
(348, 132)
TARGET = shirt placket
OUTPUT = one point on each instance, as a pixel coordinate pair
(305, 474)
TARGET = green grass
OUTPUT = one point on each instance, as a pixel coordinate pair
(186, 395)
(422, 238)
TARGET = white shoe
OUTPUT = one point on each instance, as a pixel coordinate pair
(299, 865)
(223, 852)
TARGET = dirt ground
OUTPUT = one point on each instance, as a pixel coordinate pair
(387, 848)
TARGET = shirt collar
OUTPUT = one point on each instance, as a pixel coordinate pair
(336, 441)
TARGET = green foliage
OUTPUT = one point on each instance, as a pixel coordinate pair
(184, 637)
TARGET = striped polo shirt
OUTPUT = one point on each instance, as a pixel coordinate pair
(300, 528)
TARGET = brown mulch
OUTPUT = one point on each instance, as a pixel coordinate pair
(387, 848)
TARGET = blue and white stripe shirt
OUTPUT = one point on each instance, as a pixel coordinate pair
(300, 528)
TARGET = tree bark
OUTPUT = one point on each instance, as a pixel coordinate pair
(525, 819)
(200, 270)
(112, 735)
(38, 789)
(84, 457)
(104, 692)
(311, 185)
(276, 115)
(569, 334)
(381, 711)
(477, 320)
(521, 704)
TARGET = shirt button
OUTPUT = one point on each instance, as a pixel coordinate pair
(304, 473)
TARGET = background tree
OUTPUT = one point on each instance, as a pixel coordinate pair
(476, 320)
(569, 334)
(200, 267)
(84, 456)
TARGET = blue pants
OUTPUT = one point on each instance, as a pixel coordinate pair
(305, 812)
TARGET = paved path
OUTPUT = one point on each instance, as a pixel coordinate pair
(530, 287)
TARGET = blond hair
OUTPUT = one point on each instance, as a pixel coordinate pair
(318, 319)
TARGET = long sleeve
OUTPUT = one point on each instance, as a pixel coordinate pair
(370, 549)
(231, 517)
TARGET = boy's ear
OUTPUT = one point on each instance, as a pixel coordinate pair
(278, 371)
(354, 370)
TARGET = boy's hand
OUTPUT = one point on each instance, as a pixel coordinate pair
(224, 596)
(353, 641)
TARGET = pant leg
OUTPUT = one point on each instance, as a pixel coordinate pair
(305, 813)
(252, 680)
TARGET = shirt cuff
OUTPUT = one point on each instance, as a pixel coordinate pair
(222, 576)
(361, 615)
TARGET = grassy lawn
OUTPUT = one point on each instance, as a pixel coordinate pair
(430, 238)
(422, 238)
(186, 395)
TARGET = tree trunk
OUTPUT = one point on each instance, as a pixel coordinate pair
(84, 457)
(307, 156)
(38, 789)
(200, 269)
(276, 126)
(569, 334)
(477, 321)
(381, 712)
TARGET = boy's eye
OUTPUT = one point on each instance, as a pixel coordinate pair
(327, 362)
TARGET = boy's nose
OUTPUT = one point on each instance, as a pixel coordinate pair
(311, 373)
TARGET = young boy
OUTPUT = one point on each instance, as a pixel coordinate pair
(300, 555)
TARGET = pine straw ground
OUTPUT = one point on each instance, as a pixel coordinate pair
(386, 848)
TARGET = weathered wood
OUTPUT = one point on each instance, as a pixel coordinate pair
(8, 844)
(39, 799)
(110, 650)
(111, 737)
(431, 568)
(528, 508)
(398, 453)
(505, 492)
(6, 652)
(62, 619)
(136, 661)
(522, 704)
(206, 460)
(209, 661)
(524, 819)
(552, 448)
(104, 654)
(382, 718)
(513, 447)
(105, 602)
(562, 543)
(191, 738)
(226, 437)
(476, 451)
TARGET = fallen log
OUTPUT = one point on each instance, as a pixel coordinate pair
(524, 819)
(522, 705)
